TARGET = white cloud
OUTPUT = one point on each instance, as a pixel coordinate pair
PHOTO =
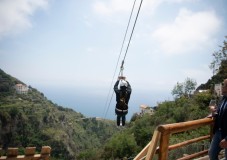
(199, 74)
(188, 31)
(112, 7)
(14, 15)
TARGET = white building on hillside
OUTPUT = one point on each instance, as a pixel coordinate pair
(146, 109)
(21, 88)
(217, 89)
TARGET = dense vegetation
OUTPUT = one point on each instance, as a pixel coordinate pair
(33, 120)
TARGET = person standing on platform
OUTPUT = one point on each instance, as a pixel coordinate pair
(219, 140)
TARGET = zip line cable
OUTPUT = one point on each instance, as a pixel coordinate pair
(132, 33)
(119, 58)
(122, 65)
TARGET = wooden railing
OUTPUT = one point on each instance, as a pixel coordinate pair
(30, 154)
(162, 135)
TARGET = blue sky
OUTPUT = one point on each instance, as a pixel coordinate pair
(69, 49)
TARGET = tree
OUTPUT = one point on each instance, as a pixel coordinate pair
(184, 89)
(218, 57)
(178, 90)
(189, 86)
(120, 146)
(218, 66)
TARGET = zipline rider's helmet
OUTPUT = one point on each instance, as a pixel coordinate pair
(123, 84)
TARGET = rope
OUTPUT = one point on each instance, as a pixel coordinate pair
(122, 65)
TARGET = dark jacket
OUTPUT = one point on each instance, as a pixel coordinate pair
(220, 122)
(118, 92)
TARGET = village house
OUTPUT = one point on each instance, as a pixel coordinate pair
(145, 109)
(21, 88)
(217, 89)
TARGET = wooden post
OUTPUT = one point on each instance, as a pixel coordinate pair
(12, 152)
(143, 153)
(164, 145)
(153, 145)
(30, 151)
(45, 152)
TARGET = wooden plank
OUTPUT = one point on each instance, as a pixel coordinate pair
(183, 126)
(143, 153)
(182, 144)
(12, 152)
(45, 150)
(195, 155)
(153, 146)
(30, 151)
(164, 145)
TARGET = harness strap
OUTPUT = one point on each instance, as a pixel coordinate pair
(120, 110)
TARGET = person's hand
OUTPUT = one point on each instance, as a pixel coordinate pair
(210, 116)
(213, 109)
(223, 143)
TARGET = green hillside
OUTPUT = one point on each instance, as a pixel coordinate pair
(33, 120)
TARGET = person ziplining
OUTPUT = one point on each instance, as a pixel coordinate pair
(123, 92)
(122, 99)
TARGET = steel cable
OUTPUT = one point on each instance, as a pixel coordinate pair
(121, 70)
